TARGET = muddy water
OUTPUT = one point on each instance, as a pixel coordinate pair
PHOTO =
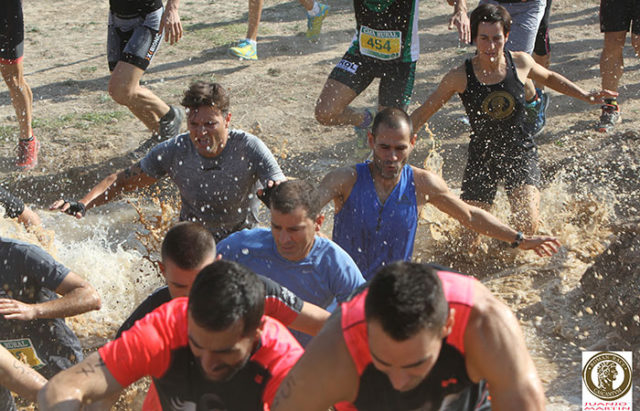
(112, 249)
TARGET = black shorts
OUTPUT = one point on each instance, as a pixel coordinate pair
(11, 32)
(396, 78)
(486, 168)
(620, 15)
(134, 40)
(543, 45)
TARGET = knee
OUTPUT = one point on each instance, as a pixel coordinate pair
(613, 43)
(120, 93)
(14, 81)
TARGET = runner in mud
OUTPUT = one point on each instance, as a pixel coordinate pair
(31, 314)
(186, 250)
(214, 350)
(18, 377)
(15, 208)
(292, 254)
(12, 69)
(377, 203)
(247, 49)
(134, 35)
(526, 20)
(491, 89)
(419, 337)
(617, 17)
(386, 46)
(217, 170)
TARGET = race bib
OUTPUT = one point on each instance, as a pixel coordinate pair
(24, 352)
(380, 44)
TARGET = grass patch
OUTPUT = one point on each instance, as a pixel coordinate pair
(82, 121)
(214, 36)
(89, 69)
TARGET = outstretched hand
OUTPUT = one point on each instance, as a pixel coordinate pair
(264, 193)
(597, 97)
(170, 25)
(460, 20)
(71, 207)
(543, 246)
(16, 310)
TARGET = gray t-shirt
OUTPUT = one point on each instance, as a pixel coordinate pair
(217, 192)
(31, 275)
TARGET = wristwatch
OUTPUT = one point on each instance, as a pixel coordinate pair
(519, 240)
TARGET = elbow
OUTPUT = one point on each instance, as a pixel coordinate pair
(55, 393)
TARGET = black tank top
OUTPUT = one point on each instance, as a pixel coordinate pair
(133, 8)
(496, 111)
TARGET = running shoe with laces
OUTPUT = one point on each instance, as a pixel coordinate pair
(171, 128)
(314, 23)
(27, 154)
(245, 50)
(609, 118)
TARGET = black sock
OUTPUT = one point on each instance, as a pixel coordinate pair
(169, 116)
(27, 139)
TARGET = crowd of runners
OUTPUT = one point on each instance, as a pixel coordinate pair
(283, 318)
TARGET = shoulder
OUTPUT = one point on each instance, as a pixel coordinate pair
(343, 177)
(277, 343)
(254, 238)
(456, 78)
(335, 259)
(521, 59)
(426, 180)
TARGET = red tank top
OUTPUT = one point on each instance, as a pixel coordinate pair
(458, 290)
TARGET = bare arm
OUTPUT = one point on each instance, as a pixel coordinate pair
(560, 83)
(311, 319)
(170, 23)
(85, 382)
(29, 218)
(452, 82)
(433, 188)
(19, 377)
(126, 180)
(493, 337)
(324, 375)
(78, 296)
(460, 20)
(336, 186)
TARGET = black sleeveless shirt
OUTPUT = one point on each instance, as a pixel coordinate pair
(496, 111)
(133, 8)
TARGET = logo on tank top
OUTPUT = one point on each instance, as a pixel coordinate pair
(499, 105)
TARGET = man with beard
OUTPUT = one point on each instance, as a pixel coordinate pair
(377, 203)
(214, 350)
(419, 337)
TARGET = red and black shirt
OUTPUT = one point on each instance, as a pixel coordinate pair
(157, 346)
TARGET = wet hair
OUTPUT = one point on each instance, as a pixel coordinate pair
(406, 298)
(188, 244)
(202, 93)
(225, 292)
(289, 195)
(489, 13)
(391, 117)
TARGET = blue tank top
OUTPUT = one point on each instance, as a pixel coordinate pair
(375, 234)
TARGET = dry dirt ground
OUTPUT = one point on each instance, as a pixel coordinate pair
(590, 179)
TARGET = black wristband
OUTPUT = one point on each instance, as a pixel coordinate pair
(75, 207)
(518, 241)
